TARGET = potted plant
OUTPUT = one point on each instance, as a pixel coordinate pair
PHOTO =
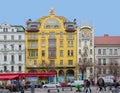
(78, 88)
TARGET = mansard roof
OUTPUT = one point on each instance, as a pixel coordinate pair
(19, 28)
(7, 25)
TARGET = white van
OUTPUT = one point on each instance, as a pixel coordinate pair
(80, 82)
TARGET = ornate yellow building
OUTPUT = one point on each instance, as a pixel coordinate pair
(51, 46)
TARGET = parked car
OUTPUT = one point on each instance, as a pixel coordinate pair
(4, 91)
(51, 85)
(80, 82)
(64, 84)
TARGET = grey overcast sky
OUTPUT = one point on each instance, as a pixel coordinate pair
(103, 15)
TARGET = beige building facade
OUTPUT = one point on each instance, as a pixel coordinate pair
(85, 52)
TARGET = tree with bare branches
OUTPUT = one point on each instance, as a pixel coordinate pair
(84, 62)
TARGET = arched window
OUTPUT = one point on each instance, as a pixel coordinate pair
(52, 23)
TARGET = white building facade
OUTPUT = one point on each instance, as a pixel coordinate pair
(12, 48)
(85, 52)
(107, 56)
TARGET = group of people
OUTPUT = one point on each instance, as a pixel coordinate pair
(101, 84)
(87, 86)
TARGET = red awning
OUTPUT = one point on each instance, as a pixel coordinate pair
(9, 77)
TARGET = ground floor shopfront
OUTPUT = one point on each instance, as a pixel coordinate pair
(64, 74)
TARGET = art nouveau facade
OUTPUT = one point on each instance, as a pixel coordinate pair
(12, 48)
(51, 46)
(107, 56)
(85, 52)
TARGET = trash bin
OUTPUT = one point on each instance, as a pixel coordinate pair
(22, 90)
(32, 89)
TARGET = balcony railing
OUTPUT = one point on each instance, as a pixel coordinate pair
(32, 56)
(32, 38)
(32, 47)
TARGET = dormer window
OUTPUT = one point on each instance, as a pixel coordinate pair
(33, 26)
(12, 30)
(70, 27)
(5, 29)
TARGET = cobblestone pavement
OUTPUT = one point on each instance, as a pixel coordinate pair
(45, 90)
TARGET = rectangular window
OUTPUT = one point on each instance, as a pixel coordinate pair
(80, 60)
(70, 36)
(52, 35)
(5, 37)
(61, 62)
(12, 37)
(35, 63)
(104, 51)
(104, 61)
(5, 68)
(61, 52)
(68, 52)
(79, 51)
(110, 52)
(20, 47)
(99, 51)
(12, 47)
(71, 52)
(99, 71)
(61, 43)
(19, 37)
(90, 51)
(12, 58)
(20, 57)
(85, 43)
(52, 53)
(43, 43)
(5, 46)
(30, 63)
(43, 52)
(68, 43)
(52, 42)
(19, 68)
(104, 71)
(79, 42)
(12, 68)
(52, 62)
(43, 62)
(90, 42)
(5, 57)
(80, 36)
(71, 43)
(43, 34)
(90, 60)
(33, 53)
(61, 35)
(70, 62)
(99, 61)
(115, 52)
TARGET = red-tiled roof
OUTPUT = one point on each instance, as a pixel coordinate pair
(106, 40)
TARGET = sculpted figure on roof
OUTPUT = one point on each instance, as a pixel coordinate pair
(52, 11)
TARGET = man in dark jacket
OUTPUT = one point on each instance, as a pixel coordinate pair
(88, 86)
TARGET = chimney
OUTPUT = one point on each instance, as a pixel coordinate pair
(105, 35)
